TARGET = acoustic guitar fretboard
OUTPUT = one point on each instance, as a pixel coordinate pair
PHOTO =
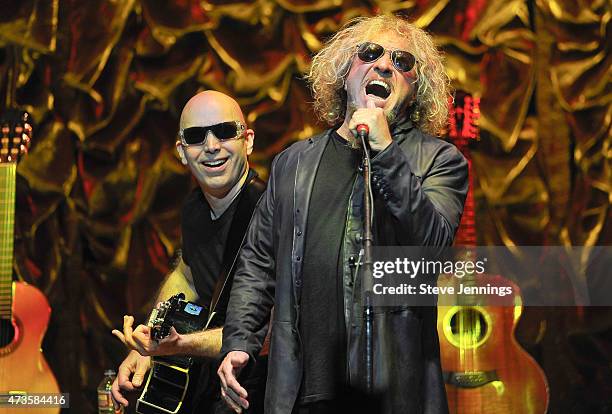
(7, 211)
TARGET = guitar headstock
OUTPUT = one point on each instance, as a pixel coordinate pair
(179, 313)
(464, 113)
(160, 320)
(16, 130)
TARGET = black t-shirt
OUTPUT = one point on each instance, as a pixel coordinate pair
(321, 324)
(204, 242)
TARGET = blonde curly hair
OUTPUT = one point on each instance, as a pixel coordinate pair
(332, 64)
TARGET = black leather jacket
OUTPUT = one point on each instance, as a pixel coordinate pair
(423, 183)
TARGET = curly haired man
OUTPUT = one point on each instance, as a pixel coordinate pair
(302, 244)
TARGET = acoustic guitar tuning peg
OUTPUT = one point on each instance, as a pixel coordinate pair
(25, 139)
(23, 149)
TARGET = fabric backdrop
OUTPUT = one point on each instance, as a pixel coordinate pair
(97, 219)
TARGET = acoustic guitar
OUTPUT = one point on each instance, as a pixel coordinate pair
(24, 310)
(485, 369)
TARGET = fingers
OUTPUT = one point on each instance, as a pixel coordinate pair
(142, 340)
(128, 321)
(137, 339)
(127, 367)
(233, 400)
(118, 398)
(235, 407)
(134, 365)
(374, 117)
(143, 330)
(122, 336)
(235, 385)
(364, 116)
(119, 335)
(221, 374)
(122, 382)
(228, 371)
(369, 116)
(231, 390)
(126, 335)
(142, 366)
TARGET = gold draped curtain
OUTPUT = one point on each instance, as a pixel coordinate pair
(99, 194)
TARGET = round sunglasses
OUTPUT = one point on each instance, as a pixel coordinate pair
(370, 52)
(223, 131)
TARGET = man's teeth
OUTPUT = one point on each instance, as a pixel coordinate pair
(215, 163)
(378, 88)
(380, 83)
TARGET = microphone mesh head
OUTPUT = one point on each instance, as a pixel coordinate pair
(363, 128)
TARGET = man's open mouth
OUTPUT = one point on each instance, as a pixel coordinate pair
(214, 163)
(378, 88)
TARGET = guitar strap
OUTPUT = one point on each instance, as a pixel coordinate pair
(248, 198)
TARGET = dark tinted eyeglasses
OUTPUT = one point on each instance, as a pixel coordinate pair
(223, 131)
(370, 52)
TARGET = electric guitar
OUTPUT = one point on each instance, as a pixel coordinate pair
(24, 310)
(170, 383)
(485, 369)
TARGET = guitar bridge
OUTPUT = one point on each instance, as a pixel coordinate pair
(470, 379)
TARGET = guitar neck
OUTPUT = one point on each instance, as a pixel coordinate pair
(7, 211)
(463, 123)
(464, 113)
(466, 234)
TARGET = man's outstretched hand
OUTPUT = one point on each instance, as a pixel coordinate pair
(232, 392)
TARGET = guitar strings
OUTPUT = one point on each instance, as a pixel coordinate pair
(6, 280)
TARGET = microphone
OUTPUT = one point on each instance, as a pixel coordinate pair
(363, 131)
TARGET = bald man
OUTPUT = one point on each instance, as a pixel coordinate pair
(213, 143)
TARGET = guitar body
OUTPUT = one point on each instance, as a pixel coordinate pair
(22, 364)
(486, 370)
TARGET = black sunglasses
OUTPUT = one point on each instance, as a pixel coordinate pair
(223, 131)
(369, 52)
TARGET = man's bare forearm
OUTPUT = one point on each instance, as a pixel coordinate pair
(204, 343)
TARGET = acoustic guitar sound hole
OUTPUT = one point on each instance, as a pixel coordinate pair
(468, 326)
(7, 332)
